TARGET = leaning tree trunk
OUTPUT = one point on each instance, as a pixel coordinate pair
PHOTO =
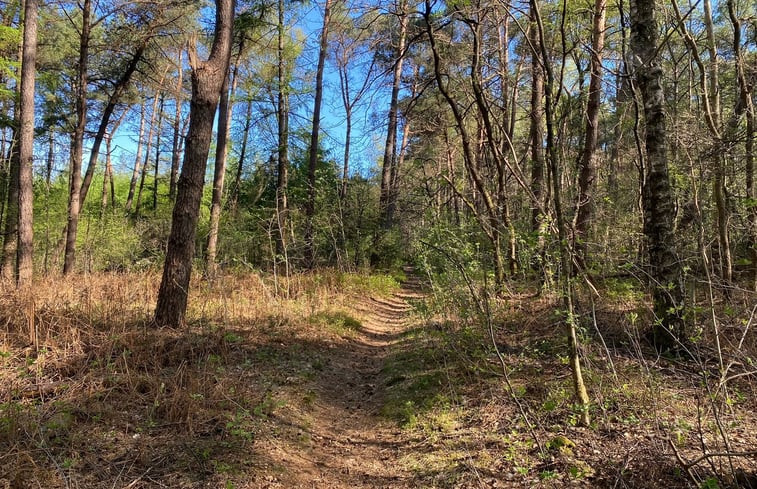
(665, 269)
(237, 187)
(113, 101)
(207, 79)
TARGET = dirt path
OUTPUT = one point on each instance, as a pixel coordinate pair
(349, 444)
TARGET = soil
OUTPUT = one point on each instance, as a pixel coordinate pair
(347, 443)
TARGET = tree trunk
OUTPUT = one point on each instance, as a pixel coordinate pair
(237, 187)
(588, 164)
(77, 144)
(175, 153)
(313, 153)
(282, 206)
(390, 148)
(148, 148)
(10, 232)
(108, 172)
(25, 252)
(536, 130)
(157, 154)
(207, 79)
(115, 98)
(137, 159)
(665, 269)
(225, 111)
(564, 250)
(744, 105)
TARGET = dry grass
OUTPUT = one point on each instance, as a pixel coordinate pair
(94, 396)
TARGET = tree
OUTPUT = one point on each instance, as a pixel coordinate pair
(390, 147)
(313, 151)
(207, 80)
(77, 140)
(222, 149)
(588, 164)
(665, 268)
(24, 263)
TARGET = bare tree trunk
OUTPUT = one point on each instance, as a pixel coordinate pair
(282, 182)
(225, 111)
(588, 163)
(565, 254)
(175, 153)
(48, 178)
(137, 159)
(313, 153)
(665, 269)
(752, 218)
(207, 79)
(157, 154)
(10, 232)
(108, 173)
(25, 252)
(536, 138)
(148, 148)
(487, 217)
(237, 187)
(77, 145)
(399, 162)
(744, 105)
(390, 148)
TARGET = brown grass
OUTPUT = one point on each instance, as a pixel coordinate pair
(94, 396)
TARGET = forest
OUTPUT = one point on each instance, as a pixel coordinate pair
(378, 244)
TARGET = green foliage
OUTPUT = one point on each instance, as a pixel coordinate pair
(338, 321)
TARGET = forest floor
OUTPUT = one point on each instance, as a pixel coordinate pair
(346, 381)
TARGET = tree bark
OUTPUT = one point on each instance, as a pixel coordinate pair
(156, 172)
(207, 79)
(745, 106)
(282, 181)
(225, 110)
(588, 164)
(137, 159)
(565, 257)
(665, 269)
(10, 231)
(237, 187)
(175, 153)
(25, 251)
(313, 152)
(77, 144)
(148, 148)
(390, 148)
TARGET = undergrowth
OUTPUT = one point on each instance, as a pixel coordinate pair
(93, 394)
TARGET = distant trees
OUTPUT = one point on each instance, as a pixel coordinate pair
(535, 135)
